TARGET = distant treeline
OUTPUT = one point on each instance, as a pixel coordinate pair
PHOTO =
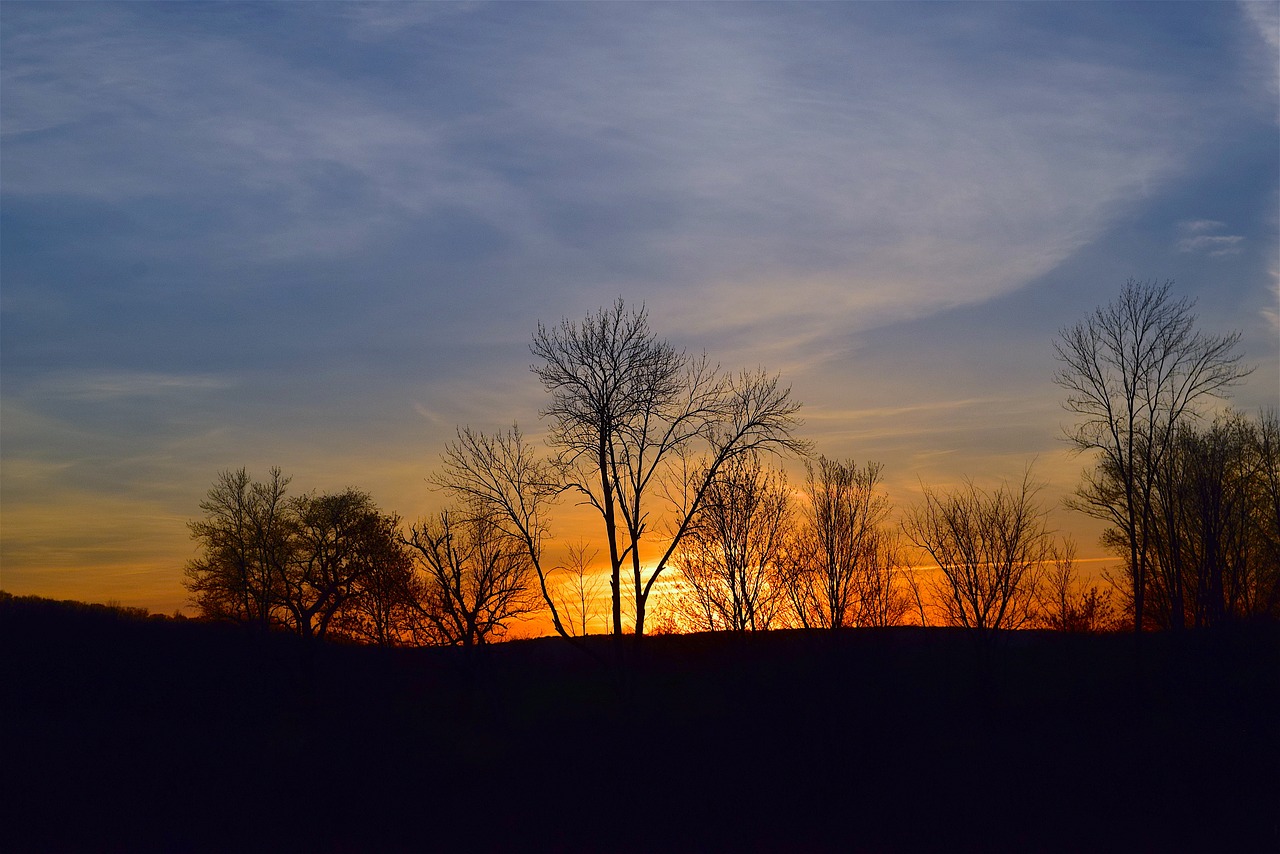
(62, 608)
(673, 454)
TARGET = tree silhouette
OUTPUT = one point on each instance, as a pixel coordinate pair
(476, 577)
(626, 408)
(299, 563)
(578, 588)
(246, 539)
(502, 477)
(1134, 371)
(340, 541)
(731, 553)
(990, 549)
(844, 568)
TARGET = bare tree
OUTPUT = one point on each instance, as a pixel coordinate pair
(247, 543)
(579, 588)
(502, 476)
(625, 405)
(845, 568)
(1214, 525)
(476, 578)
(990, 549)
(886, 596)
(731, 551)
(1133, 371)
(1066, 603)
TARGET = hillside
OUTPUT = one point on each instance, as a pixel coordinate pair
(122, 733)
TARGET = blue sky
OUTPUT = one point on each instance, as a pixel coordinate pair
(320, 235)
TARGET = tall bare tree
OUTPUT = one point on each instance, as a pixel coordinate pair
(1134, 370)
(990, 548)
(625, 407)
(731, 554)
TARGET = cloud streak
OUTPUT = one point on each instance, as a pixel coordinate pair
(1196, 237)
(674, 151)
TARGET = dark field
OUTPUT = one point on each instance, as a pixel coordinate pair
(132, 735)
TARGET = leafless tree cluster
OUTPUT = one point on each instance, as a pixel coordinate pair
(1213, 533)
(670, 451)
(1066, 603)
(757, 556)
(1135, 372)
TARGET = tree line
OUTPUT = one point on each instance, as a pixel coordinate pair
(674, 456)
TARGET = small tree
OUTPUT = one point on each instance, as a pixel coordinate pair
(990, 549)
(844, 568)
(731, 552)
(578, 588)
(476, 578)
(1067, 604)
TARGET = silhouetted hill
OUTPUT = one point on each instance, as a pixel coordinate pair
(132, 734)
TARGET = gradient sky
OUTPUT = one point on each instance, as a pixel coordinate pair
(320, 236)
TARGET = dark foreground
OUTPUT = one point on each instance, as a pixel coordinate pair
(136, 735)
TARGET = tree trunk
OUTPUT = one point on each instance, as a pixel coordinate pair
(615, 562)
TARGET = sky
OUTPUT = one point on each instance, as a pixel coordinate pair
(320, 235)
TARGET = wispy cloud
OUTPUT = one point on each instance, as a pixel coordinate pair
(1272, 312)
(680, 151)
(1196, 237)
(1264, 18)
(102, 385)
